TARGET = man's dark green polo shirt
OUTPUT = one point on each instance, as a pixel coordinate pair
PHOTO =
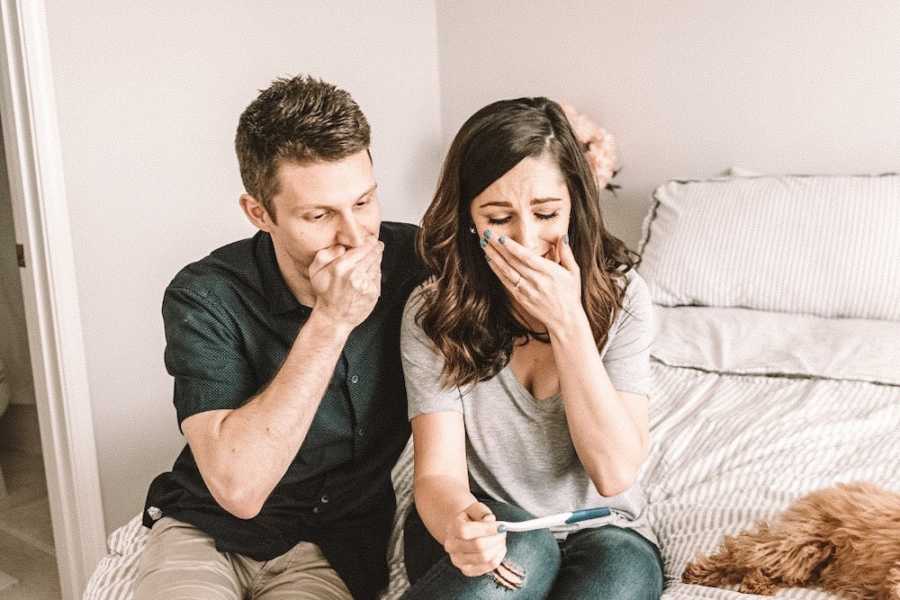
(230, 321)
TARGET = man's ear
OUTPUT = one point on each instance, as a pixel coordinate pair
(256, 213)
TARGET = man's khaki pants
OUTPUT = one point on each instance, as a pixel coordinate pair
(180, 562)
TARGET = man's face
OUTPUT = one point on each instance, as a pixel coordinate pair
(321, 205)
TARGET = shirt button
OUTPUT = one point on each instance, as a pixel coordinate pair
(354, 379)
(316, 509)
(361, 432)
(324, 499)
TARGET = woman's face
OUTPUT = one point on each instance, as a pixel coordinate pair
(530, 203)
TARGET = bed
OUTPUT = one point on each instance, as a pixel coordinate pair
(776, 362)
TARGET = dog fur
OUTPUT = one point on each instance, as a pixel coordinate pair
(845, 539)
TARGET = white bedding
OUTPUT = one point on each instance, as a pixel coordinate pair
(749, 410)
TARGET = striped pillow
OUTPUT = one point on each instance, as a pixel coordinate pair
(821, 245)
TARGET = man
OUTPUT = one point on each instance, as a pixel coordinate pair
(288, 386)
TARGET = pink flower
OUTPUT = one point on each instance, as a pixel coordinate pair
(598, 144)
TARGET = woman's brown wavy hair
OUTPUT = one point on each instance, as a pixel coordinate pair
(464, 308)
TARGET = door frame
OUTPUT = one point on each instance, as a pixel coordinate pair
(50, 293)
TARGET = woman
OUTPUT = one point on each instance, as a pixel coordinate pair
(527, 370)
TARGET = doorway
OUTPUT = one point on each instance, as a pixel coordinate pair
(49, 292)
(27, 555)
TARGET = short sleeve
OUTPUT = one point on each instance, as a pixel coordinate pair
(627, 356)
(422, 366)
(204, 355)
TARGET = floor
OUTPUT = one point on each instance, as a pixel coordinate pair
(26, 537)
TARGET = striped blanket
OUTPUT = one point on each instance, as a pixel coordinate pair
(734, 439)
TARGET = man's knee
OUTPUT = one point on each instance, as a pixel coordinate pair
(179, 562)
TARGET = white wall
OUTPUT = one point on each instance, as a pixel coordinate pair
(149, 95)
(691, 87)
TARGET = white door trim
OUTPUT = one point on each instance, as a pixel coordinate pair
(37, 186)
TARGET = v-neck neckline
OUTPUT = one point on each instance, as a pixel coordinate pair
(549, 403)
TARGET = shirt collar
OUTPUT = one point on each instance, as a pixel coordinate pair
(281, 298)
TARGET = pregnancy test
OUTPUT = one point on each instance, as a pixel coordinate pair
(566, 518)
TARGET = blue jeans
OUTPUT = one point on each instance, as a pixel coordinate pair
(605, 562)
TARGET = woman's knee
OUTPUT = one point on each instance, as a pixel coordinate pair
(615, 559)
(533, 553)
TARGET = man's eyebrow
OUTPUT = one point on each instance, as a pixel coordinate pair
(318, 207)
(505, 204)
(367, 192)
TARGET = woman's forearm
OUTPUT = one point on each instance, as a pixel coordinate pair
(439, 500)
(607, 438)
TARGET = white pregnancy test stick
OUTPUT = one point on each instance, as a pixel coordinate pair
(556, 520)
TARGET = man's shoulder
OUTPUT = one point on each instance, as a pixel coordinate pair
(401, 259)
(221, 271)
(396, 232)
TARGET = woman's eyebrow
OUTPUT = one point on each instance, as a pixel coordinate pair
(505, 204)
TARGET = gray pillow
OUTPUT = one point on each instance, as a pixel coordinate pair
(825, 245)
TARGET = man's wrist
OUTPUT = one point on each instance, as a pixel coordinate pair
(326, 325)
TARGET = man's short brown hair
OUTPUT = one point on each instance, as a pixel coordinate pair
(301, 120)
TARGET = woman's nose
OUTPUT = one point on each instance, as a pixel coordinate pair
(526, 234)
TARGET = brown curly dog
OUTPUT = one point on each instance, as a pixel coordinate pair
(845, 539)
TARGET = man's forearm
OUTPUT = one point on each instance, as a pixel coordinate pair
(255, 444)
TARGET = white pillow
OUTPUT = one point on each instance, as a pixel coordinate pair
(822, 245)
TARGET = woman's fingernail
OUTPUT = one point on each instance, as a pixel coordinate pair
(501, 528)
(502, 239)
(566, 239)
(487, 258)
(482, 242)
(487, 234)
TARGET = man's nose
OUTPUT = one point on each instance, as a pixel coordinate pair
(351, 233)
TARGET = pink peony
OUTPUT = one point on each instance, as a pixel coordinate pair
(599, 145)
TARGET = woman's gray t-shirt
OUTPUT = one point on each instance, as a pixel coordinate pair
(518, 449)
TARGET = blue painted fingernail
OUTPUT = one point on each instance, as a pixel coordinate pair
(487, 258)
(501, 528)
(482, 242)
(502, 239)
(566, 239)
(487, 234)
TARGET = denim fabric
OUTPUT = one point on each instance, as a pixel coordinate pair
(606, 562)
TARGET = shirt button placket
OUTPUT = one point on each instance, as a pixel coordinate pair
(360, 431)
